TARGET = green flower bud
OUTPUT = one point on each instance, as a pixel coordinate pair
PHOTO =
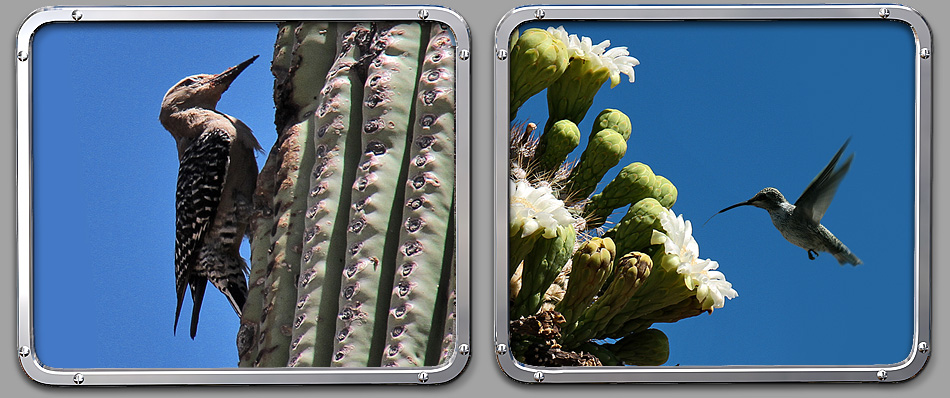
(635, 181)
(614, 120)
(555, 144)
(537, 60)
(591, 265)
(664, 191)
(603, 151)
(632, 270)
(650, 347)
(635, 229)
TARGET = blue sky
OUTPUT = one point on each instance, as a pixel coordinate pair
(104, 188)
(724, 109)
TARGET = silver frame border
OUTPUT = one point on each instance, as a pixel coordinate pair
(243, 376)
(904, 370)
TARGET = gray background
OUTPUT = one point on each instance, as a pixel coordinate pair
(482, 377)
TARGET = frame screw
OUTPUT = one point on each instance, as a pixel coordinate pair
(925, 53)
(423, 14)
(539, 14)
(78, 378)
(884, 13)
(464, 54)
(22, 55)
(464, 349)
(24, 351)
(77, 15)
(539, 377)
(502, 54)
(423, 377)
(923, 347)
(501, 349)
(881, 374)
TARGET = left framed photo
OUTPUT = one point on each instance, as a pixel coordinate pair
(243, 195)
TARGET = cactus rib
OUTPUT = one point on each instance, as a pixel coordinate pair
(336, 143)
(540, 268)
(368, 275)
(427, 210)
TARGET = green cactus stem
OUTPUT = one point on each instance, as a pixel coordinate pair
(591, 264)
(389, 96)
(448, 347)
(571, 95)
(650, 347)
(615, 120)
(555, 292)
(686, 308)
(541, 266)
(286, 112)
(603, 151)
(427, 211)
(337, 148)
(519, 247)
(633, 270)
(554, 146)
(634, 182)
(663, 289)
(295, 154)
(538, 59)
(282, 269)
(248, 339)
(249, 332)
(310, 64)
(606, 357)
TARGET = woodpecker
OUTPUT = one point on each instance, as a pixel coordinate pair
(217, 174)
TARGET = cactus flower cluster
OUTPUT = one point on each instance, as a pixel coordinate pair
(353, 247)
(583, 294)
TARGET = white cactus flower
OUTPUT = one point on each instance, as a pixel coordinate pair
(617, 60)
(710, 285)
(536, 209)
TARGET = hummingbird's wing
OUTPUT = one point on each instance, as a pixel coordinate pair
(817, 196)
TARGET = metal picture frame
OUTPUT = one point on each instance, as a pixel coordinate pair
(918, 350)
(240, 376)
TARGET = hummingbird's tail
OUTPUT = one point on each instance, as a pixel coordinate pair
(844, 256)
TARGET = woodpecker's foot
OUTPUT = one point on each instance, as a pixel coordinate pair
(810, 256)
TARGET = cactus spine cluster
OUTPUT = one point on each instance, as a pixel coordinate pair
(353, 247)
(572, 289)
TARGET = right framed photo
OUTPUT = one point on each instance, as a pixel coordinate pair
(791, 143)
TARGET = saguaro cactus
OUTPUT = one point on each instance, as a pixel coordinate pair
(360, 184)
(427, 209)
(658, 277)
(336, 143)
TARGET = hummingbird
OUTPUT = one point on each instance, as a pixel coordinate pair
(800, 223)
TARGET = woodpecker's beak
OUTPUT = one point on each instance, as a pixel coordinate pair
(225, 78)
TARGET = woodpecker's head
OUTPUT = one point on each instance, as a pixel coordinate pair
(201, 91)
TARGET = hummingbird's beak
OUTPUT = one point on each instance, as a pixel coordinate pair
(225, 78)
(746, 203)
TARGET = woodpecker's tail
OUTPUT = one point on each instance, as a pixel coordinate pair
(181, 297)
(197, 296)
